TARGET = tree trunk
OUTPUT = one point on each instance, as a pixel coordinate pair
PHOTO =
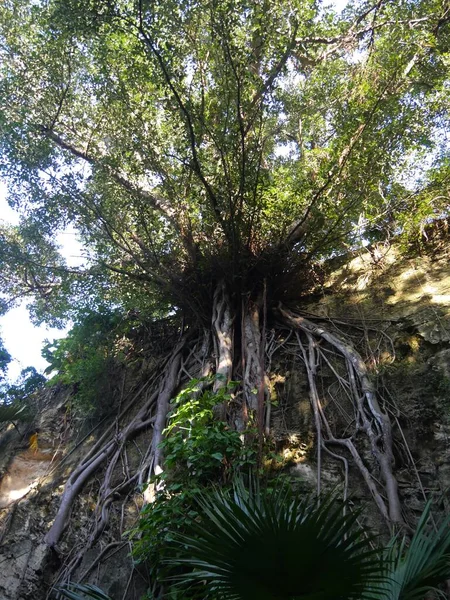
(223, 336)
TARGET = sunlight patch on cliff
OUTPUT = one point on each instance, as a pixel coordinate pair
(24, 474)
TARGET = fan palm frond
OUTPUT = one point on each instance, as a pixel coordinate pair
(255, 544)
(78, 591)
(412, 571)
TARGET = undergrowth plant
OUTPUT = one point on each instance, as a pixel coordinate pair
(88, 359)
(254, 543)
(77, 591)
(200, 452)
(257, 543)
(199, 446)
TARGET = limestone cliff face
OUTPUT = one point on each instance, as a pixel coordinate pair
(411, 298)
(32, 482)
(26, 491)
(402, 308)
(403, 301)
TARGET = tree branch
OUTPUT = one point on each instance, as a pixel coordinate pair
(154, 200)
(188, 120)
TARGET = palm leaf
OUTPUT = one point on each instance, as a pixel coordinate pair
(411, 572)
(271, 546)
(78, 591)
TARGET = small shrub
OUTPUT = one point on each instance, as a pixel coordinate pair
(197, 445)
(88, 359)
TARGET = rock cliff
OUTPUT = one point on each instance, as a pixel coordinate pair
(398, 307)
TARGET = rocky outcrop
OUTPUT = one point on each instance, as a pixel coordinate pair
(25, 497)
(405, 303)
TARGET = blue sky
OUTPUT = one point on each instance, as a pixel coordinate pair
(22, 340)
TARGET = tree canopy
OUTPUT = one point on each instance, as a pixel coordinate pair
(191, 141)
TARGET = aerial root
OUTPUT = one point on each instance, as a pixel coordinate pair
(314, 344)
(111, 448)
(369, 418)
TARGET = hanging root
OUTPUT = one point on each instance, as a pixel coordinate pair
(369, 418)
(355, 405)
(93, 460)
(110, 451)
(223, 329)
(111, 448)
(169, 385)
(119, 481)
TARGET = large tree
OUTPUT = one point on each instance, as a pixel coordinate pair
(210, 154)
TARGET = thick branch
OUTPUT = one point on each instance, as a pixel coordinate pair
(197, 167)
(154, 200)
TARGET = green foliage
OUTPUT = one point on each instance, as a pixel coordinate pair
(273, 544)
(194, 141)
(89, 359)
(32, 266)
(199, 446)
(256, 543)
(16, 400)
(199, 451)
(412, 571)
(77, 591)
(30, 381)
(270, 544)
(5, 359)
(173, 507)
(16, 411)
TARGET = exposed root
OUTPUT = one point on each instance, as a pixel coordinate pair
(357, 408)
(111, 449)
(223, 328)
(223, 338)
(370, 418)
(310, 362)
(164, 396)
(91, 463)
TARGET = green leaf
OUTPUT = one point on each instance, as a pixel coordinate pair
(77, 591)
(274, 545)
